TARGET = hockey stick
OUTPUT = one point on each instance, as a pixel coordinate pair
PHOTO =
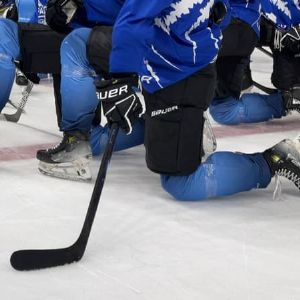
(263, 88)
(16, 116)
(37, 259)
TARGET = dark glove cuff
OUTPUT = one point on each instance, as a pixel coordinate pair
(131, 78)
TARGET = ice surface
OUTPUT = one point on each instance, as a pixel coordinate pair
(144, 245)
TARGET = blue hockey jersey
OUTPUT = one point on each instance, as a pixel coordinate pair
(248, 11)
(283, 13)
(163, 41)
(32, 11)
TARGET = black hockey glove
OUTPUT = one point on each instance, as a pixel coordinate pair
(288, 41)
(120, 102)
(60, 13)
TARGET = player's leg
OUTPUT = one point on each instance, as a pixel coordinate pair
(9, 51)
(83, 52)
(227, 173)
(99, 138)
(79, 101)
(257, 107)
(222, 174)
(251, 108)
(173, 147)
(239, 41)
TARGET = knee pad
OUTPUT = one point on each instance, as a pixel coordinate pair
(225, 110)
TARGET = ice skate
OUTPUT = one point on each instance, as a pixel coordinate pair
(284, 160)
(292, 99)
(69, 159)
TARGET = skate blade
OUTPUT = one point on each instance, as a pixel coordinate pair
(78, 170)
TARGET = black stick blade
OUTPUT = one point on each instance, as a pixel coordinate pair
(26, 260)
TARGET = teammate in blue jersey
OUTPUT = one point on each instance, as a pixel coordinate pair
(30, 42)
(78, 74)
(178, 86)
(279, 31)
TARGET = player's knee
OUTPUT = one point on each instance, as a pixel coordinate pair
(73, 48)
(175, 190)
(183, 188)
(225, 111)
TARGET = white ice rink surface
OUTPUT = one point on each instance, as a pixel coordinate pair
(145, 245)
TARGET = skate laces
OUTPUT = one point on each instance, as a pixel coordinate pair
(290, 165)
(61, 144)
(290, 175)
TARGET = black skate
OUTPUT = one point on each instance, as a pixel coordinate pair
(284, 160)
(21, 79)
(292, 99)
(69, 159)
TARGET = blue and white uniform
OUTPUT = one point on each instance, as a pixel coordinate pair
(140, 47)
(255, 107)
(247, 11)
(283, 13)
(174, 40)
(32, 11)
(163, 41)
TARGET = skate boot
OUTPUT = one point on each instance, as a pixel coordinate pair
(69, 159)
(284, 160)
(292, 99)
(21, 78)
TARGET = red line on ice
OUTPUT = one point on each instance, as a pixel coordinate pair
(248, 129)
(21, 152)
(29, 152)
